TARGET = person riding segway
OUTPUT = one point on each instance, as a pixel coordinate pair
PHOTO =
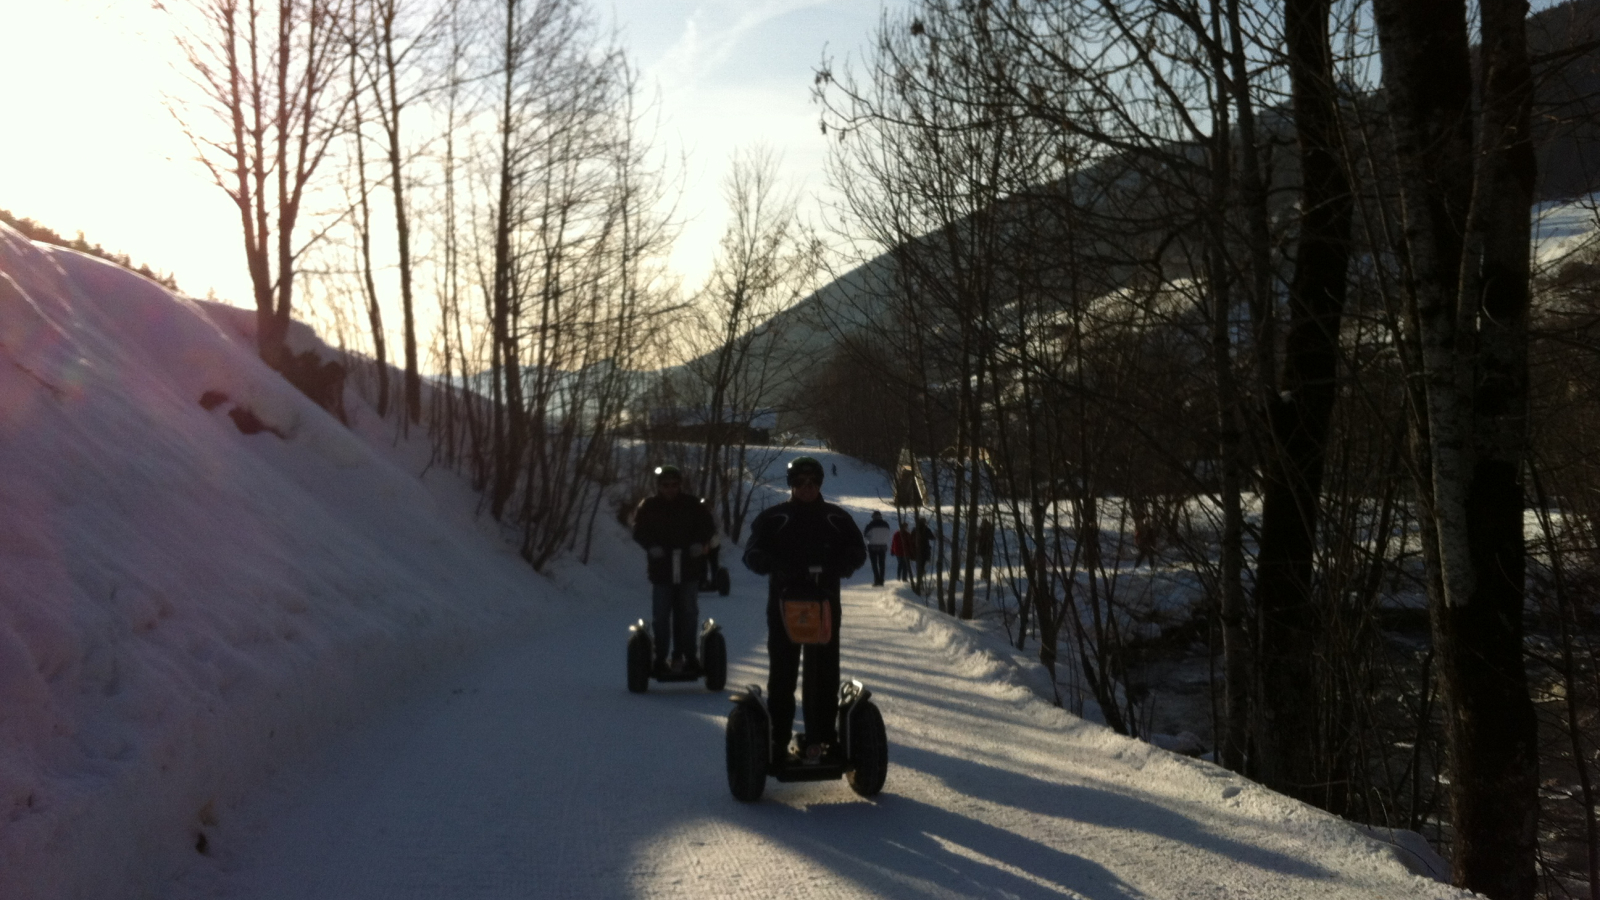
(805, 546)
(674, 528)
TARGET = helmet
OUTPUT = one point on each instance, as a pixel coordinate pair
(667, 472)
(804, 465)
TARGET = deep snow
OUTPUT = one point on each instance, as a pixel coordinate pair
(313, 662)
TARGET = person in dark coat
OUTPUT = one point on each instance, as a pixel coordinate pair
(804, 546)
(924, 550)
(877, 534)
(674, 528)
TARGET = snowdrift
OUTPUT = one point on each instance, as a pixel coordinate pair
(184, 604)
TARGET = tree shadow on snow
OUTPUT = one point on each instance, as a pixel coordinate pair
(1094, 806)
(897, 847)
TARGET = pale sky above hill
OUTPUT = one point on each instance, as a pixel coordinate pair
(85, 142)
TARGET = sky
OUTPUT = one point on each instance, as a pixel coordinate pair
(86, 143)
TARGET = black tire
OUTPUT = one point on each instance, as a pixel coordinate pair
(714, 657)
(747, 754)
(722, 582)
(638, 663)
(869, 750)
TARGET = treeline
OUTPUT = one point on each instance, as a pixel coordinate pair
(477, 170)
(482, 168)
(1246, 290)
(33, 231)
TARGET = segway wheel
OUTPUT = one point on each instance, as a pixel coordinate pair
(722, 582)
(869, 750)
(714, 657)
(747, 754)
(638, 663)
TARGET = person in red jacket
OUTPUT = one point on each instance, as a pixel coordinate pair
(674, 528)
(900, 548)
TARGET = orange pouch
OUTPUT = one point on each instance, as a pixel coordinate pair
(808, 621)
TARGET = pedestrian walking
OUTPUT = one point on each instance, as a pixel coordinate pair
(900, 548)
(924, 536)
(877, 534)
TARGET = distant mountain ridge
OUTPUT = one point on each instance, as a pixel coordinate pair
(1564, 41)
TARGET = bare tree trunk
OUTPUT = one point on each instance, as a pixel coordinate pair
(391, 105)
(974, 462)
(267, 71)
(364, 229)
(1289, 740)
(507, 374)
(1237, 666)
(1467, 245)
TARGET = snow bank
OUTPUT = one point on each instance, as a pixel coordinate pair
(1179, 779)
(184, 606)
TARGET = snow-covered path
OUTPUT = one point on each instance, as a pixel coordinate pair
(536, 774)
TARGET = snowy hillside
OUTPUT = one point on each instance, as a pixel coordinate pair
(181, 604)
(282, 664)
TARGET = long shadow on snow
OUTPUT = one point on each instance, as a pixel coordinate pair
(1092, 806)
(898, 848)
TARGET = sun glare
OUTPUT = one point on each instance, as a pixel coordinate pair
(86, 143)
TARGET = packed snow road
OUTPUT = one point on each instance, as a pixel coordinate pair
(535, 774)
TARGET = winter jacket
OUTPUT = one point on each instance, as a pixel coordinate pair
(877, 533)
(787, 539)
(900, 545)
(924, 542)
(677, 524)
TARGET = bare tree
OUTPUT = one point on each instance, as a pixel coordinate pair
(767, 261)
(1467, 174)
(363, 226)
(393, 39)
(271, 106)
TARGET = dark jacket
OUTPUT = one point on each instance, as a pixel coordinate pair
(675, 524)
(787, 539)
(879, 529)
(924, 536)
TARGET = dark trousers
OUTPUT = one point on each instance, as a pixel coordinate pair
(820, 693)
(902, 568)
(877, 555)
(677, 614)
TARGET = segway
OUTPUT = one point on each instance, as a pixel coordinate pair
(641, 656)
(641, 651)
(752, 758)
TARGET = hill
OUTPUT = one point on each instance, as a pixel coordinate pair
(185, 604)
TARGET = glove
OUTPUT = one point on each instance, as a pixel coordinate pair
(697, 549)
(657, 552)
(758, 561)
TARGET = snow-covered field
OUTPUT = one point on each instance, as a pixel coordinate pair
(257, 666)
(1561, 227)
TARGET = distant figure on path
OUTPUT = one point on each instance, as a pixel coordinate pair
(900, 549)
(986, 546)
(877, 535)
(674, 528)
(924, 536)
